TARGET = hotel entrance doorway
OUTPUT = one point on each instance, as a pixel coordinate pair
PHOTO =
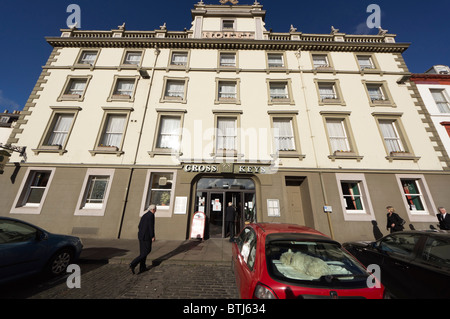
(213, 196)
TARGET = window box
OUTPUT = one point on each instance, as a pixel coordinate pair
(344, 153)
(121, 96)
(51, 147)
(324, 68)
(330, 100)
(71, 96)
(400, 153)
(107, 148)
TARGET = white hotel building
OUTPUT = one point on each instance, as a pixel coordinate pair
(280, 124)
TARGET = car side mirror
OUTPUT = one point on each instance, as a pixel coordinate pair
(40, 235)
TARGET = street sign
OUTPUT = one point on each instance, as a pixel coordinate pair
(198, 225)
(327, 209)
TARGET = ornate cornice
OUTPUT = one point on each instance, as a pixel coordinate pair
(273, 41)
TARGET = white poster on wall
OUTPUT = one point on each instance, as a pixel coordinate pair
(180, 205)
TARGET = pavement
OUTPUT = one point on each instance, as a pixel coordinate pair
(123, 251)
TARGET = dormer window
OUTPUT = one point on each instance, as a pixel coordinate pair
(228, 25)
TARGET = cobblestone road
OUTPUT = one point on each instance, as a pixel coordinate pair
(115, 281)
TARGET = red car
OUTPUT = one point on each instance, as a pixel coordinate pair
(283, 261)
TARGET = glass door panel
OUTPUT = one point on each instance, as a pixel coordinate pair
(216, 215)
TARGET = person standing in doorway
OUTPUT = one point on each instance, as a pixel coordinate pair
(230, 215)
(394, 221)
(146, 236)
(443, 218)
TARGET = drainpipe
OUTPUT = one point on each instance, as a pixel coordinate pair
(308, 110)
(127, 190)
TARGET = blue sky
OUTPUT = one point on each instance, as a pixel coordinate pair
(25, 24)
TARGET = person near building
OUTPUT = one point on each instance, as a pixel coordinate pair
(394, 221)
(443, 218)
(230, 215)
(146, 236)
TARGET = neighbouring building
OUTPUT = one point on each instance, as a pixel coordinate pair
(285, 126)
(434, 89)
(7, 122)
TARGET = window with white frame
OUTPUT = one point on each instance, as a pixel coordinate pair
(413, 195)
(33, 191)
(175, 89)
(160, 191)
(275, 60)
(417, 197)
(352, 196)
(327, 91)
(441, 99)
(76, 87)
(278, 91)
(179, 59)
(124, 88)
(337, 135)
(320, 61)
(35, 188)
(355, 198)
(376, 92)
(365, 62)
(273, 208)
(60, 129)
(132, 58)
(226, 134)
(113, 131)
(391, 136)
(94, 196)
(169, 132)
(227, 90)
(88, 57)
(227, 59)
(284, 134)
(96, 191)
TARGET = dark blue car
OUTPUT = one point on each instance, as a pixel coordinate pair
(26, 249)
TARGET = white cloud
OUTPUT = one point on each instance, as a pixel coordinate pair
(8, 104)
(362, 28)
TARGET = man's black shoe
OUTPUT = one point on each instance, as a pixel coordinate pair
(142, 270)
(132, 269)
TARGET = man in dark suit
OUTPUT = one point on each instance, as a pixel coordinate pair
(146, 236)
(230, 213)
(443, 218)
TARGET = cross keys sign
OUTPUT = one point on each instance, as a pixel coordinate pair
(232, 1)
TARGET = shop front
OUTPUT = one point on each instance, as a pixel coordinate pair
(214, 188)
(214, 194)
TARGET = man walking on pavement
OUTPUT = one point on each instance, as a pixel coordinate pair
(229, 219)
(146, 236)
(443, 218)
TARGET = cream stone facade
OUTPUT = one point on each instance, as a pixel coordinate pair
(280, 124)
